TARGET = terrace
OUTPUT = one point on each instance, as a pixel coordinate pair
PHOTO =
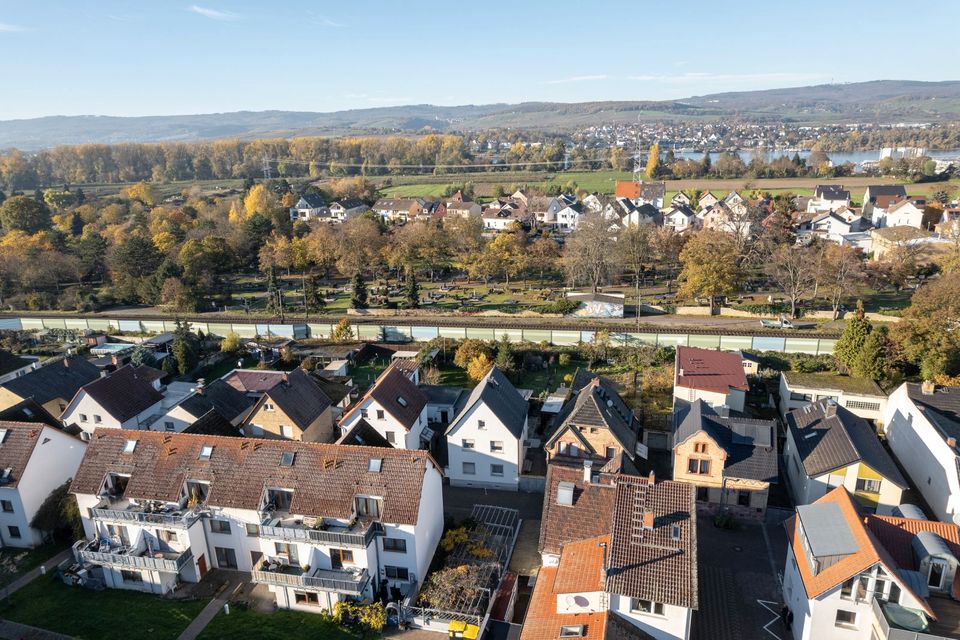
(279, 574)
(137, 556)
(901, 623)
(172, 515)
(282, 526)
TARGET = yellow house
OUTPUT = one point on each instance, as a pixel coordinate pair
(294, 409)
(829, 446)
(52, 386)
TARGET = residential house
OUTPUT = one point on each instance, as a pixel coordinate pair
(556, 205)
(570, 217)
(644, 214)
(731, 461)
(443, 402)
(231, 404)
(869, 577)
(828, 197)
(52, 386)
(294, 409)
(361, 434)
(716, 377)
(343, 210)
(835, 225)
(463, 209)
(923, 245)
(253, 382)
(487, 440)
(730, 217)
(906, 213)
(593, 203)
(597, 425)
(681, 198)
(878, 198)
(35, 459)
(398, 209)
(828, 446)
(310, 206)
(619, 558)
(13, 366)
(922, 427)
(128, 398)
(315, 523)
(395, 407)
(641, 192)
(861, 396)
(707, 200)
(503, 218)
(680, 218)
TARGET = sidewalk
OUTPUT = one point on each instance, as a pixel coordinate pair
(212, 609)
(33, 574)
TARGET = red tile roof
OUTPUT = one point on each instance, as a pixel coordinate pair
(710, 370)
(252, 381)
(396, 393)
(591, 514)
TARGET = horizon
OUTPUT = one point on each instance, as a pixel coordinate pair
(226, 56)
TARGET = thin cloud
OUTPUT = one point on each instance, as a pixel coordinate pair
(6, 27)
(213, 14)
(695, 77)
(576, 79)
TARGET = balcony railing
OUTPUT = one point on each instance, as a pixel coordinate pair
(346, 582)
(177, 520)
(132, 558)
(896, 633)
(359, 536)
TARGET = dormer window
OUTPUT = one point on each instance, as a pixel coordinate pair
(206, 451)
(368, 507)
(129, 446)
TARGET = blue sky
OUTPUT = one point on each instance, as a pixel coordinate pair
(153, 57)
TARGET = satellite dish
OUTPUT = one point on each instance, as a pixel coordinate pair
(956, 519)
(571, 602)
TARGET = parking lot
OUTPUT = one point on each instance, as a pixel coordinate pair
(740, 581)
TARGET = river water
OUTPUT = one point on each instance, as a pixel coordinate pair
(837, 158)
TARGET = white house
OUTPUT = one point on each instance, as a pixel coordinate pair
(905, 213)
(128, 398)
(35, 459)
(716, 377)
(501, 219)
(867, 577)
(828, 197)
(395, 407)
(343, 210)
(828, 446)
(570, 217)
(443, 402)
(315, 523)
(486, 441)
(13, 366)
(878, 198)
(860, 396)
(310, 206)
(922, 430)
(835, 225)
(680, 218)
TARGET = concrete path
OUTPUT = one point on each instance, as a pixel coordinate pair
(33, 574)
(214, 607)
(15, 631)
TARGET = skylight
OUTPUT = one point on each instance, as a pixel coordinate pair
(286, 460)
(401, 401)
(206, 451)
(3, 435)
(130, 446)
(375, 465)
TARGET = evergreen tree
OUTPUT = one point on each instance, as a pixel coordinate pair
(169, 365)
(3, 196)
(871, 362)
(705, 163)
(142, 356)
(504, 359)
(312, 301)
(186, 349)
(412, 291)
(850, 344)
(76, 224)
(359, 298)
(80, 196)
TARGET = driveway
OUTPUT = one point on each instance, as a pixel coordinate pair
(740, 574)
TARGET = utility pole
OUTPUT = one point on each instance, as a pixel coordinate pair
(267, 170)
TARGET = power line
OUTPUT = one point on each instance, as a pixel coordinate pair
(558, 163)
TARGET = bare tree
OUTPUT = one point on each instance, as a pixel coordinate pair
(794, 270)
(590, 253)
(842, 274)
(634, 252)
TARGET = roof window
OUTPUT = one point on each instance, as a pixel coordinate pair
(286, 460)
(375, 465)
(129, 446)
(206, 451)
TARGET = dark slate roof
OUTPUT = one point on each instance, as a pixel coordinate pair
(335, 389)
(362, 434)
(326, 477)
(751, 445)
(501, 397)
(30, 411)
(941, 408)
(829, 437)
(299, 397)
(653, 563)
(597, 404)
(124, 393)
(389, 388)
(590, 515)
(313, 200)
(831, 192)
(442, 394)
(213, 424)
(11, 362)
(220, 397)
(890, 190)
(350, 203)
(651, 190)
(61, 379)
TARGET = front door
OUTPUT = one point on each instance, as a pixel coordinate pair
(226, 557)
(202, 566)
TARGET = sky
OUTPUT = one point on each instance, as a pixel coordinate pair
(166, 57)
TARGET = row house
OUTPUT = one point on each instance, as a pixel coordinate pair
(395, 407)
(315, 523)
(716, 377)
(51, 386)
(398, 209)
(13, 366)
(128, 398)
(861, 396)
(35, 459)
(829, 446)
(850, 575)
(619, 557)
(487, 439)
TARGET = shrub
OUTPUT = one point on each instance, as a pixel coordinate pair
(563, 306)
(564, 359)
(725, 521)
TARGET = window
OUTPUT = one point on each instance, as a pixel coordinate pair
(646, 606)
(129, 446)
(306, 597)
(206, 451)
(496, 446)
(268, 406)
(14, 531)
(860, 404)
(287, 458)
(97, 419)
(167, 425)
(468, 444)
(83, 417)
(131, 576)
(704, 467)
(401, 401)
(226, 557)
(846, 618)
(743, 498)
(395, 545)
(252, 530)
(611, 452)
(375, 465)
(699, 467)
(894, 596)
(703, 494)
(481, 424)
(496, 470)
(219, 526)
(935, 577)
(288, 551)
(846, 591)
(469, 468)
(368, 507)
(805, 397)
(7, 506)
(391, 437)
(286, 431)
(867, 485)
(379, 414)
(571, 631)
(363, 413)
(593, 430)
(700, 447)
(397, 573)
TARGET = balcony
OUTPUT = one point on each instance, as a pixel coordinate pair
(901, 623)
(105, 553)
(168, 516)
(292, 529)
(352, 583)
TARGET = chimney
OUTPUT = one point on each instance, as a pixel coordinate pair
(830, 409)
(652, 477)
(115, 360)
(927, 387)
(648, 520)
(952, 443)
(200, 386)
(587, 465)
(603, 567)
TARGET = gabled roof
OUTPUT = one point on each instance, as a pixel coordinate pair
(32, 412)
(501, 398)
(213, 424)
(312, 200)
(60, 379)
(710, 370)
(658, 563)
(829, 437)
(597, 404)
(253, 380)
(590, 515)
(831, 192)
(220, 397)
(889, 190)
(397, 394)
(123, 394)
(16, 449)
(362, 434)
(941, 408)
(298, 397)
(324, 477)
(751, 445)
(11, 362)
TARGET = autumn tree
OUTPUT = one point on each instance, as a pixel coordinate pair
(142, 191)
(468, 350)
(544, 254)
(653, 161)
(634, 253)
(841, 274)
(508, 251)
(590, 252)
(710, 266)
(258, 200)
(794, 270)
(479, 367)
(20, 213)
(848, 347)
(342, 332)
(927, 333)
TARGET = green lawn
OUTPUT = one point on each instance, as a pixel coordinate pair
(452, 375)
(16, 562)
(99, 615)
(282, 625)
(365, 373)
(550, 378)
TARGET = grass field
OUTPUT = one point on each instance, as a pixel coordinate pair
(98, 615)
(15, 562)
(281, 625)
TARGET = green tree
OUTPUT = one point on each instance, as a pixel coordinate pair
(927, 334)
(504, 359)
(59, 512)
(21, 213)
(186, 348)
(710, 266)
(58, 199)
(143, 356)
(872, 361)
(850, 344)
(343, 332)
(411, 293)
(358, 298)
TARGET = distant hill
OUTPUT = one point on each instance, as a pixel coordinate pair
(878, 101)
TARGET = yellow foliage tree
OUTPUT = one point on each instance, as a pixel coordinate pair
(142, 191)
(479, 367)
(257, 200)
(165, 241)
(236, 215)
(288, 200)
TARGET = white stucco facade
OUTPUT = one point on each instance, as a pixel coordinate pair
(483, 452)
